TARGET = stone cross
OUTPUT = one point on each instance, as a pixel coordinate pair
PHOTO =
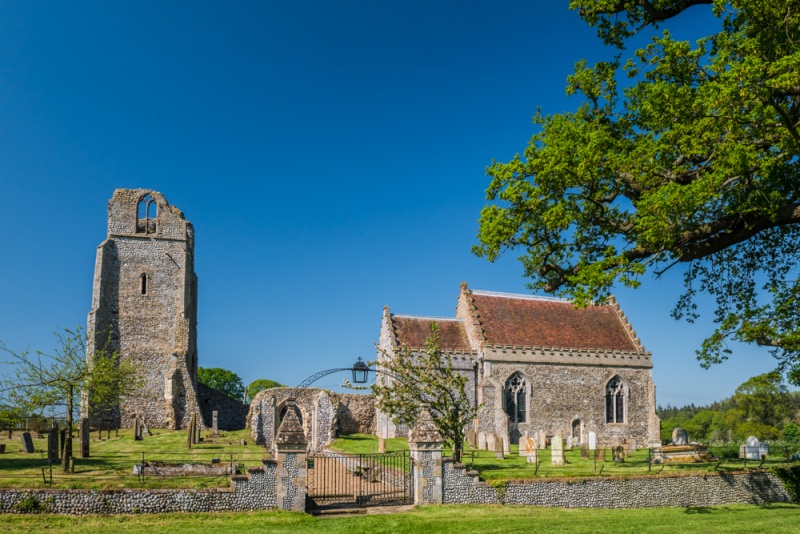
(592, 441)
(214, 423)
(27, 442)
(557, 451)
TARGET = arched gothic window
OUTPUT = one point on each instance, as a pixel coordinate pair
(516, 398)
(615, 401)
(146, 214)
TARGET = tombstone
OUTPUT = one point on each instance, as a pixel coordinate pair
(527, 447)
(763, 450)
(490, 439)
(618, 454)
(585, 451)
(679, 437)
(498, 448)
(592, 441)
(83, 432)
(381, 445)
(631, 445)
(542, 440)
(482, 441)
(27, 442)
(557, 451)
(145, 428)
(506, 441)
(752, 449)
(569, 443)
(52, 446)
(214, 423)
(190, 438)
(137, 429)
(197, 428)
(471, 438)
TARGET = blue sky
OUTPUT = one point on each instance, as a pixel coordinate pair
(330, 155)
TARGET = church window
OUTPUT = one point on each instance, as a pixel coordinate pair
(144, 283)
(615, 401)
(516, 398)
(146, 214)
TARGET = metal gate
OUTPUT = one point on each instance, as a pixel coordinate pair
(359, 479)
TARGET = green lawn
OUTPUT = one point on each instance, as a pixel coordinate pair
(111, 461)
(515, 466)
(774, 519)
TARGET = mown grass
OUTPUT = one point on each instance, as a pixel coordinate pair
(778, 518)
(514, 466)
(111, 461)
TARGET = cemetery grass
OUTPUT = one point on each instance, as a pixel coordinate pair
(487, 519)
(111, 461)
(515, 467)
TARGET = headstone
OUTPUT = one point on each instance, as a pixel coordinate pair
(83, 431)
(542, 440)
(190, 439)
(145, 428)
(498, 448)
(197, 428)
(52, 446)
(557, 451)
(482, 441)
(137, 429)
(569, 443)
(381, 445)
(763, 450)
(214, 423)
(585, 451)
(618, 454)
(631, 445)
(752, 449)
(679, 437)
(490, 439)
(592, 441)
(27, 442)
(527, 447)
(506, 441)
(471, 438)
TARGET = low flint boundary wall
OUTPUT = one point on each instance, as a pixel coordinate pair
(256, 491)
(463, 487)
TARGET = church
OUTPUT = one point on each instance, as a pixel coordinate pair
(538, 364)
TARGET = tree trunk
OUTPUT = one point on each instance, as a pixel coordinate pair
(65, 460)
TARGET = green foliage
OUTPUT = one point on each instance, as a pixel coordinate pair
(763, 399)
(425, 377)
(222, 380)
(260, 385)
(693, 161)
(791, 432)
(790, 477)
(42, 381)
(30, 504)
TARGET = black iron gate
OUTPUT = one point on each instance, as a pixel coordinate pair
(359, 479)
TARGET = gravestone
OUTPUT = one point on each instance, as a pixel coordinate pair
(557, 451)
(490, 439)
(145, 428)
(214, 423)
(27, 442)
(585, 451)
(471, 438)
(381, 445)
(751, 449)
(542, 440)
(505, 439)
(482, 441)
(618, 454)
(569, 443)
(679, 437)
(498, 448)
(137, 429)
(592, 441)
(527, 447)
(83, 432)
(197, 429)
(631, 445)
(52, 446)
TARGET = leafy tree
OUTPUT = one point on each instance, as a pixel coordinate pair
(260, 385)
(222, 380)
(791, 432)
(692, 162)
(426, 377)
(42, 381)
(763, 399)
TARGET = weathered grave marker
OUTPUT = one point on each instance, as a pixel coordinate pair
(27, 442)
(592, 441)
(214, 423)
(557, 450)
(137, 429)
(618, 454)
(52, 446)
(585, 451)
(679, 437)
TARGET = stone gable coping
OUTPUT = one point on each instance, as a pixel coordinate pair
(562, 355)
(626, 323)
(476, 319)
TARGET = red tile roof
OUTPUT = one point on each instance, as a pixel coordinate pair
(523, 320)
(413, 331)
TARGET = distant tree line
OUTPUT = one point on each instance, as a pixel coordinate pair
(762, 407)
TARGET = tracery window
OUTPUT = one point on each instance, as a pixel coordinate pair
(615, 401)
(516, 398)
(146, 214)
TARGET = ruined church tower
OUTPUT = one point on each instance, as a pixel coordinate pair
(144, 304)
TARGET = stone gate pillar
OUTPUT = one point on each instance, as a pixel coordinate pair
(290, 453)
(426, 443)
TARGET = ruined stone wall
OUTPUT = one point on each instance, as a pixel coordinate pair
(355, 414)
(561, 394)
(151, 322)
(231, 413)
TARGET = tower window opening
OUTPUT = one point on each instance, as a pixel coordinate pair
(144, 284)
(146, 215)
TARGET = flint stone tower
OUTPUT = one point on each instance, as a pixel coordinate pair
(144, 304)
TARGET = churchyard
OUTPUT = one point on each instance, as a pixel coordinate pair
(113, 455)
